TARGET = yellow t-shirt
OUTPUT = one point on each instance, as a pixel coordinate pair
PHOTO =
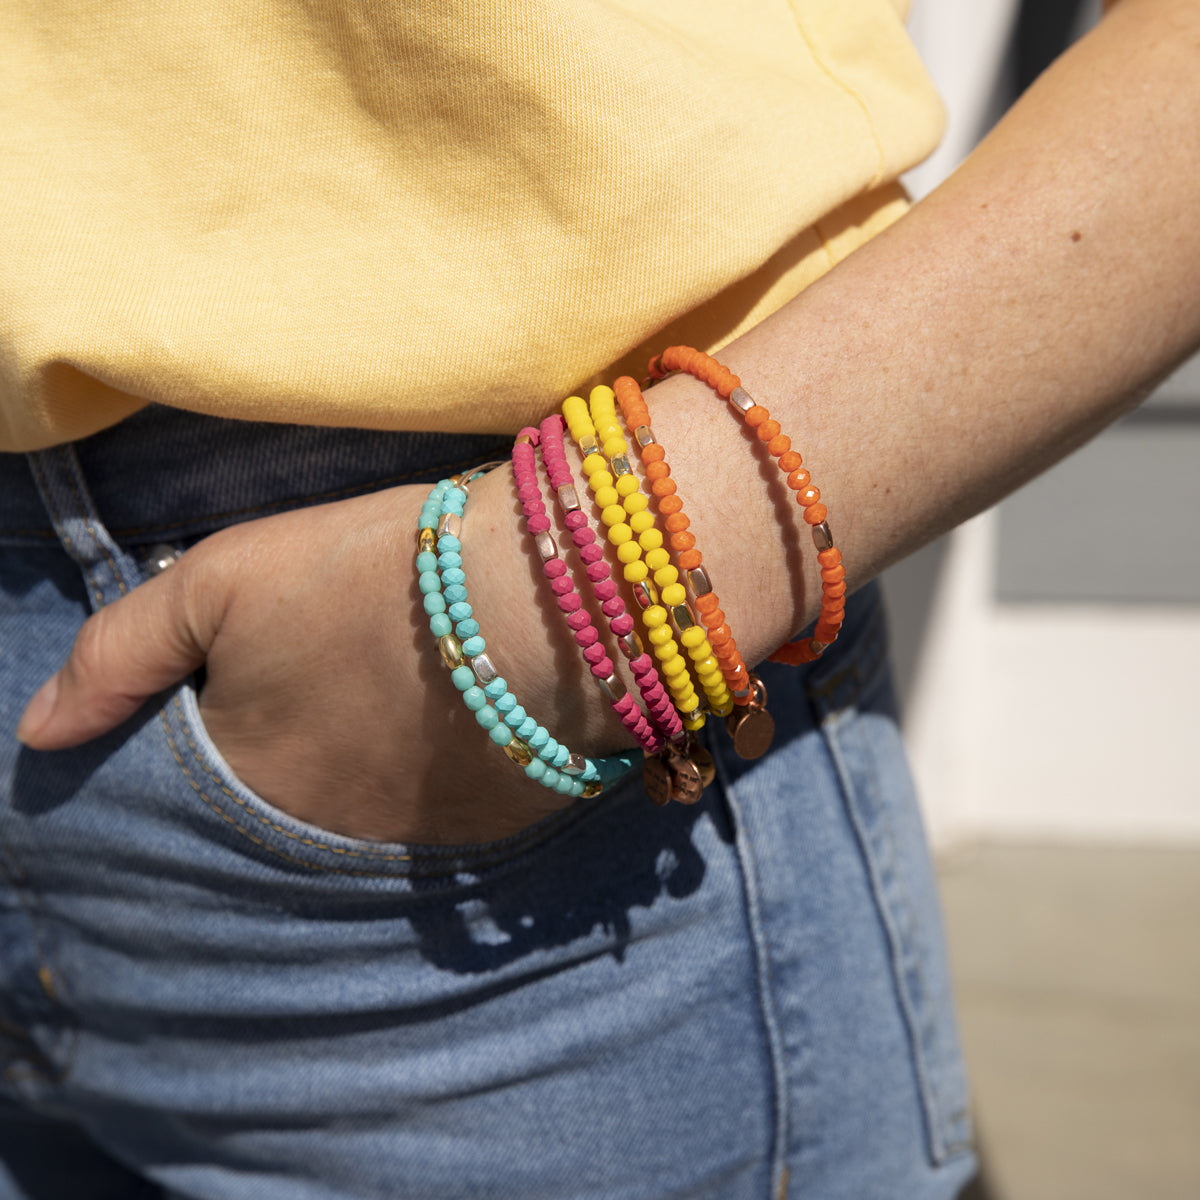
(420, 215)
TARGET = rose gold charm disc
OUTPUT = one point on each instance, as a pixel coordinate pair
(686, 785)
(657, 780)
(703, 762)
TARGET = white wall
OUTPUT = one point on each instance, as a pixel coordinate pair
(1063, 721)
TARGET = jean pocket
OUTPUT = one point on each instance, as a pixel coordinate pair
(854, 703)
(233, 812)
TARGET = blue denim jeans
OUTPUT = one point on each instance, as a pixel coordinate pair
(201, 997)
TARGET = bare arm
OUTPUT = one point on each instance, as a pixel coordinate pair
(1035, 296)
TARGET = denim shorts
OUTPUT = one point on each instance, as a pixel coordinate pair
(202, 997)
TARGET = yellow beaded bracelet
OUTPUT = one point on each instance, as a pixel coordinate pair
(672, 594)
(627, 524)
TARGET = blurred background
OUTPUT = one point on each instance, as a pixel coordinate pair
(1048, 658)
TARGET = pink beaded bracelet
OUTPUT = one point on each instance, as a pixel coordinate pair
(570, 603)
(620, 622)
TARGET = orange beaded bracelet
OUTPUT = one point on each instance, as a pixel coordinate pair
(682, 541)
(833, 574)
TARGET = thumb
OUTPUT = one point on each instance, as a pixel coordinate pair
(123, 654)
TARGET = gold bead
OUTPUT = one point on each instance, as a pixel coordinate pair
(592, 789)
(520, 753)
(644, 594)
(631, 645)
(681, 617)
(450, 648)
(426, 541)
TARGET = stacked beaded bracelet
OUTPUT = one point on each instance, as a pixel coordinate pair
(464, 651)
(672, 593)
(683, 541)
(620, 623)
(808, 496)
(537, 523)
(626, 536)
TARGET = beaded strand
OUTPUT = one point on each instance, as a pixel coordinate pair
(463, 649)
(637, 417)
(569, 601)
(833, 573)
(626, 537)
(621, 624)
(672, 593)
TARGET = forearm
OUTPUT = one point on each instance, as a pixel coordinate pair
(1007, 318)
(1010, 315)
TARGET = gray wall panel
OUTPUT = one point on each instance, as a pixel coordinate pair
(1119, 521)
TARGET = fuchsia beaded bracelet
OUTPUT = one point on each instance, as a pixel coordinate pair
(620, 623)
(524, 460)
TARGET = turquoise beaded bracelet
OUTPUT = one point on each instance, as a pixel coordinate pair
(464, 651)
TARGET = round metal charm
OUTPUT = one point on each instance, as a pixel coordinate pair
(752, 730)
(703, 762)
(657, 780)
(686, 784)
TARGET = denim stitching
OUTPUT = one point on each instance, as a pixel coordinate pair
(502, 852)
(747, 873)
(940, 1146)
(61, 529)
(310, 497)
(83, 509)
(66, 1040)
(312, 842)
(766, 1000)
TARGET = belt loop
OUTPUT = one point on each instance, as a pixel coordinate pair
(110, 572)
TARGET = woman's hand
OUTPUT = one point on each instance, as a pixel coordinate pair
(322, 691)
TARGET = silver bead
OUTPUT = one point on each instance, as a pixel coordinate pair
(741, 399)
(631, 646)
(546, 545)
(485, 672)
(698, 581)
(644, 436)
(576, 764)
(568, 498)
(620, 465)
(159, 557)
(589, 445)
(449, 525)
(613, 689)
(822, 538)
(817, 647)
